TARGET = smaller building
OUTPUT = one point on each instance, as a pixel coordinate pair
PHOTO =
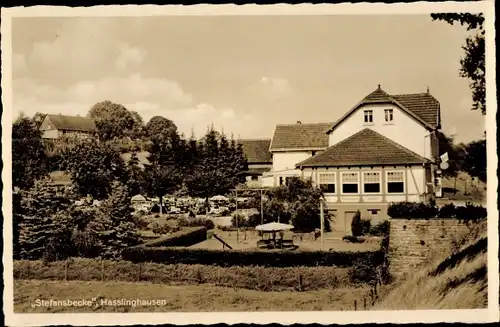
(259, 159)
(57, 126)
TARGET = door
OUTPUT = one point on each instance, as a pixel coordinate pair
(349, 215)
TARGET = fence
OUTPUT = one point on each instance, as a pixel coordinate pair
(250, 277)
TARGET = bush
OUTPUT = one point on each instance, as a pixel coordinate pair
(177, 255)
(356, 225)
(367, 224)
(240, 218)
(412, 210)
(186, 237)
(352, 239)
(381, 229)
(207, 223)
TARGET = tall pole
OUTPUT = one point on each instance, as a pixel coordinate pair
(261, 209)
(322, 217)
(236, 217)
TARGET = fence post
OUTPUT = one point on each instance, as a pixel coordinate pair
(28, 270)
(364, 303)
(66, 269)
(301, 286)
(355, 305)
(140, 272)
(102, 269)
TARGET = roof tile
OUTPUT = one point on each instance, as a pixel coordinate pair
(366, 147)
(300, 136)
(256, 150)
(72, 123)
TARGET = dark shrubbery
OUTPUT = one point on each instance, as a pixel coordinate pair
(352, 239)
(225, 258)
(413, 210)
(356, 225)
(381, 229)
(194, 222)
(367, 225)
(186, 237)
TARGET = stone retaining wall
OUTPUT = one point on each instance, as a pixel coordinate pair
(413, 241)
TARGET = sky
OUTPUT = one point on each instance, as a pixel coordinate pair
(241, 74)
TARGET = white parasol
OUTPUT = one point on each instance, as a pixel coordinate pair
(218, 198)
(274, 227)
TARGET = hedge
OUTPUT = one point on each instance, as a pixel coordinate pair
(227, 258)
(256, 278)
(416, 210)
(187, 236)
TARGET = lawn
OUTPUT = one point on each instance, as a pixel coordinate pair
(249, 239)
(184, 298)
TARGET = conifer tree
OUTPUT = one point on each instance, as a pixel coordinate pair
(38, 224)
(114, 225)
(136, 179)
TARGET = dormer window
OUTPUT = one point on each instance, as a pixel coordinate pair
(368, 116)
(389, 115)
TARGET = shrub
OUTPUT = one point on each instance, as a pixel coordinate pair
(363, 272)
(356, 225)
(412, 210)
(178, 255)
(381, 229)
(240, 218)
(186, 237)
(367, 224)
(352, 239)
(207, 223)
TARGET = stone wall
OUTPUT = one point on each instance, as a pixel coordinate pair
(413, 241)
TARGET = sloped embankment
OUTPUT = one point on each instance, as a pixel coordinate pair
(458, 281)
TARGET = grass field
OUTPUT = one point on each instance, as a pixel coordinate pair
(177, 298)
(249, 240)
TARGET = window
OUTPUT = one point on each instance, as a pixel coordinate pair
(371, 182)
(350, 183)
(281, 180)
(368, 116)
(389, 115)
(395, 182)
(255, 178)
(327, 182)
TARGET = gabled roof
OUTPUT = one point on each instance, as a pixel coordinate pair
(256, 150)
(423, 107)
(72, 123)
(366, 147)
(300, 137)
(257, 171)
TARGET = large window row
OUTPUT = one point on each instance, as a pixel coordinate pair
(369, 182)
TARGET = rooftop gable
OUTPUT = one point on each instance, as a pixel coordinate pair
(422, 107)
(300, 137)
(366, 147)
(257, 151)
(71, 123)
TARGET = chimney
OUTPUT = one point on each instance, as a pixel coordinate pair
(379, 87)
(299, 122)
(428, 92)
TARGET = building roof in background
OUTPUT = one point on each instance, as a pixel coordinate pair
(72, 123)
(366, 147)
(256, 150)
(423, 107)
(257, 171)
(300, 137)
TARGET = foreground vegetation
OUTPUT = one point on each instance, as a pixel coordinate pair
(449, 281)
(178, 298)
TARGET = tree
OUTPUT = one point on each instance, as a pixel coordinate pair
(357, 225)
(114, 121)
(29, 158)
(160, 127)
(39, 220)
(475, 159)
(93, 167)
(473, 63)
(136, 176)
(219, 166)
(167, 158)
(114, 225)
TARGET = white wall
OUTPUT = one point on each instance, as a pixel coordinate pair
(288, 160)
(403, 130)
(416, 180)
